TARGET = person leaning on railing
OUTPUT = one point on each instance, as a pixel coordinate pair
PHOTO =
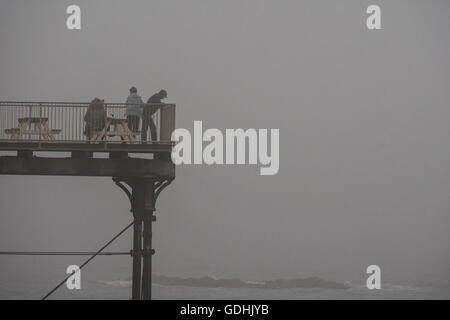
(148, 110)
(95, 117)
(134, 110)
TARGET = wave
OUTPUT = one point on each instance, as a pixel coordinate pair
(213, 282)
(117, 283)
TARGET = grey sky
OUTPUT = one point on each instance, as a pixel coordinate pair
(364, 133)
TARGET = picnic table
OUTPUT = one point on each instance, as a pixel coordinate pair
(115, 127)
(33, 126)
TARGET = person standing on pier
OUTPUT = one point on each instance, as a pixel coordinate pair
(95, 118)
(134, 109)
(153, 104)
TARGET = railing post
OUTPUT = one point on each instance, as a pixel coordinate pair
(29, 116)
(167, 122)
(40, 124)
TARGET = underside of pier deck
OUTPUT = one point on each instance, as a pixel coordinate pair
(122, 167)
(65, 146)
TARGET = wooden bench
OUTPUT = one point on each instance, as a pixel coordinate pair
(115, 127)
(12, 131)
(113, 133)
(16, 133)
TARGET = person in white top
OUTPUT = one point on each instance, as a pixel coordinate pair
(134, 109)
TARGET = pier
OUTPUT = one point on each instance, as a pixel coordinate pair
(50, 138)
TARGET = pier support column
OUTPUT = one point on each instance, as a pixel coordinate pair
(147, 251)
(143, 195)
(136, 253)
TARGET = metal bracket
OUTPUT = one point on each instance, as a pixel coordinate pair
(142, 252)
(127, 192)
(160, 186)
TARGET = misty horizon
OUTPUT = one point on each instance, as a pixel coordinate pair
(364, 162)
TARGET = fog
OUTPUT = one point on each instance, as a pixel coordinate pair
(364, 135)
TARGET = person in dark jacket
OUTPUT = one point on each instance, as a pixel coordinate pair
(95, 117)
(153, 104)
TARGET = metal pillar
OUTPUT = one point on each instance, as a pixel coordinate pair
(147, 252)
(136, 253)
(143, 195)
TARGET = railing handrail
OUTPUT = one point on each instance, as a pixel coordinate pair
(82, 121)
(74, 104)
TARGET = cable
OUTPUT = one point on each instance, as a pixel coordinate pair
(54, 253)
(88, 260)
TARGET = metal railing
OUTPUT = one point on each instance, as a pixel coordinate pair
(94, 122)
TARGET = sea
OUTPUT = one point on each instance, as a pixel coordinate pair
(120, 289)
(105, 281)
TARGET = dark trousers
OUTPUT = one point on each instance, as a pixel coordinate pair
(133, 123)
(147, 121)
